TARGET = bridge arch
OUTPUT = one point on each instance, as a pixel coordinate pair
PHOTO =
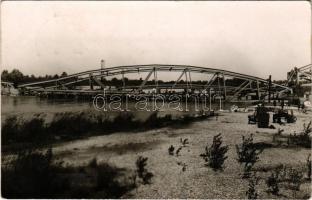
(217, 80)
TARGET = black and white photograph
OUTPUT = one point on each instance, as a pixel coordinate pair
(156, 99)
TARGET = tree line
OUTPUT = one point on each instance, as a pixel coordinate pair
(17, 77)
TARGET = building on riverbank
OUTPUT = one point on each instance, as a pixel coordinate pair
(7, 88)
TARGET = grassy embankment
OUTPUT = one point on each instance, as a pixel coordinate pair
(20, 133)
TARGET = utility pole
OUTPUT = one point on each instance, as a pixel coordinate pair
(102, 67)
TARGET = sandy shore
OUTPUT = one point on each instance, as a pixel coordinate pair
(197, 181)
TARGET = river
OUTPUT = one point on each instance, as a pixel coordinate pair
(30, 105)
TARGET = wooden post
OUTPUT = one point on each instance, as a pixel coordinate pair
(90, 81)
(123, 81)
(187, 87)
(102, 67)
(209, 99)
(156, 79)
(258, 91)
(219, 85)
(224, 86)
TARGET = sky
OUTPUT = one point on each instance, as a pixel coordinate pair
(255, 38)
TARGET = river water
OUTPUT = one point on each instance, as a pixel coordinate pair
(30, 105)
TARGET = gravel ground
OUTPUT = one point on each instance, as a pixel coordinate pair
(197, 181)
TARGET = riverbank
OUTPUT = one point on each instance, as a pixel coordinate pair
(38, 131)
(197, 181)
(186, 176)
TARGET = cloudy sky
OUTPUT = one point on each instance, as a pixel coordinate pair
(256, 38)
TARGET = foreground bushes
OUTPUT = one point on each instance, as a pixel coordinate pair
(34, 175)
(303, 138)
(284, 176)
(17, 130)
(70, 125)
(215, 154)
(141, 170)
(248, 154)
(251, 192)
(29, 176)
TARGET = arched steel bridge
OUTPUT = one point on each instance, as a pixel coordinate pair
(218, 81)
(300, 75)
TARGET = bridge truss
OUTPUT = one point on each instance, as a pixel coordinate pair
(301, 75)
(231, 86)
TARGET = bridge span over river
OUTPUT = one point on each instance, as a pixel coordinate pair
(228, 85)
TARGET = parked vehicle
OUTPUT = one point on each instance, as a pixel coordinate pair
(252, 119)
(285, 116)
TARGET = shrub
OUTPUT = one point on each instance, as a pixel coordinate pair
(184, 142)
(171, 150)
(278, 134)
(164, 121)
(33, 175)
(69, 123)
(152, 120)
(93, 163)
(284, 174)
(187, 119)
(215, 154)
(18, 130)
(248, 154)
(272, 181)
(124, 121)
(295, 177)
(9, 129)
(184, 167)
(252, 193)
(33, 129)
(106, 180)
(178, 151)
(142, 172)
(303, 138)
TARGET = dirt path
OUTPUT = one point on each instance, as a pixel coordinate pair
(197, 181)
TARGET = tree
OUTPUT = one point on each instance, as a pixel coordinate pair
(115, 81)
(248, 154)
(4, 75)
(64, 74)
(32, 78)
(16, 77)
(215, 154)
